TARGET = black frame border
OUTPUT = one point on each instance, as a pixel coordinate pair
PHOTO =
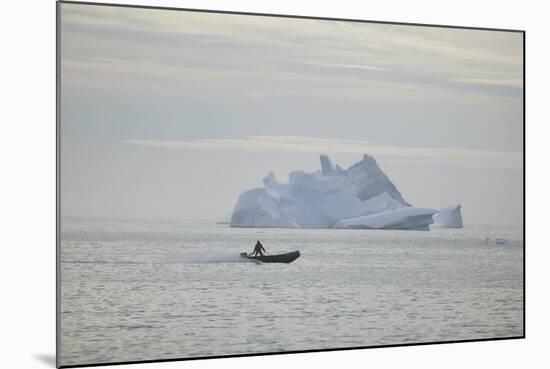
(58, 180)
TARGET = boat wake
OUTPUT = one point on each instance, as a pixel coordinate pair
(209, 258)
(203, 258)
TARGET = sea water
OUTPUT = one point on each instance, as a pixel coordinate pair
(144, 289)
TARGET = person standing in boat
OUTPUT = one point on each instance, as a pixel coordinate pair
(258, 249)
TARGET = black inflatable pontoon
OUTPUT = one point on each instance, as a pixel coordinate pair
(288, 257)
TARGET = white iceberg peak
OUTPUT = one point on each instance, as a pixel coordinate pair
(327, 166)
(270, 179)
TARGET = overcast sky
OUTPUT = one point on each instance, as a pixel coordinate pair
(174, 114)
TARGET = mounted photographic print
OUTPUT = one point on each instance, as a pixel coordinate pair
(233, 184)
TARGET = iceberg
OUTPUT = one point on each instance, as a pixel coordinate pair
(449, 217)
(327, 166)
(331, 197)
(404, 218)
(257, 208)
(360, 197)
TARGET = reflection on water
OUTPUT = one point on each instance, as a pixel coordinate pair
(158, 289)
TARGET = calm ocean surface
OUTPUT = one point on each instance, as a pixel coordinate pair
(159, 289)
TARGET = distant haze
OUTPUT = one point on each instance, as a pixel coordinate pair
(173, 114)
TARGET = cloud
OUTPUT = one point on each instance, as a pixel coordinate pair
(516, 82)
(272, 51)
(349, 66)
(486, 159)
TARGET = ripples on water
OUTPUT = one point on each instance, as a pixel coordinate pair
(159, 289)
